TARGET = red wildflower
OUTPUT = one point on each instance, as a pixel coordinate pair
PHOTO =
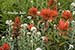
(53, 13)
(30, 26)
(6, 46)
(16, 27)
(1, 48)
(50, 2)
(63, 25)
(17, 20)
(45, 13)
(48, 14)
(33, 11)
(66, 14)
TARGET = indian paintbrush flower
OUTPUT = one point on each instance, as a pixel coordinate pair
(66, 14)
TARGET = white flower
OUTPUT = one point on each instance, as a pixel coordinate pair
(3, 37)
(43, 23)
(33, 29)
(24, 25)
(73, 12)
(9, 22)
(31, 41)
(73, 21)
(18, 37)
(70, 47)
(73, 4)
(43, 37)
(28, 33)
(32, 21)
(38, 33)
(11, 38)
(59, 3)
(29, 17)
(54, 26)
(21, 15)
(38, 49)
(31, 1)
(38, 12)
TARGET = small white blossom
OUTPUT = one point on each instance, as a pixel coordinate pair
(73, 12)
(33, 29)
(43, 23)
(24, 25)
(38, 33)
(38, 49)
(54, 26)
(70, 47)
(28, 33)
(73, 4)
(73, 21)
(43, 37)
(32, 21)
(60, 10)
(31, 1)
(18, 37)
(31, 41)
(38, 12)
(59, 3)
(11, 38)
(9, 22)
(3, 37)
(29, 17)
(21, 15)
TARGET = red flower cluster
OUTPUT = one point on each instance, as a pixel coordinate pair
(30, 26)
(48, 14)
(63, 25)
(16, 26)
(33, 11)
(66, 14)
(5, 47)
